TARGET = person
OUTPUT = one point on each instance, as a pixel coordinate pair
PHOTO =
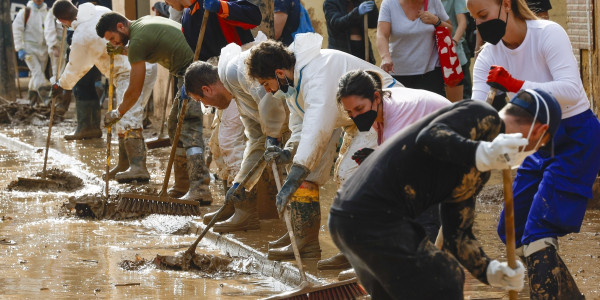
(88, 50)
(286, 19)
(406, 42)
(53, 36)
(387, 111)
(262, 115)
(552, 186)
(540, 8)
(456, 10)
(161, 9)
(345, 29)
(30, 44)
(228, 22)
(159, 40)
(372, 218)
(305, 74)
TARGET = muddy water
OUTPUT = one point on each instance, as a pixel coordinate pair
(79, 258)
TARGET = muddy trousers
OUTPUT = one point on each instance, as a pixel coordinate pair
(393, 258)
(87, 105)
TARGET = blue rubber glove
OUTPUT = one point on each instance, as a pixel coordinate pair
(212, 5)
(182, 94)
(366, 7)
(232, 196)
(21, 54)
(293, 181)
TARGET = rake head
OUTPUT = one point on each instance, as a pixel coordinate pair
(150, 204)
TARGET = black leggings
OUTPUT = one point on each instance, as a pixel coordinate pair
(394, 260)
(432, 81)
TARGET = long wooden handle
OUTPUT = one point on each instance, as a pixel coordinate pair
(366, 37)
(17, 72)
(164, 116)
(174, 145)
(509, 221)
(491, 95)
(51, 122)
(201, 35)
(109, 128)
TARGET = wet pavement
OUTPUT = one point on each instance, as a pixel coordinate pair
(46, 255)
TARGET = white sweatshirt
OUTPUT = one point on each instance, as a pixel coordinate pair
(544, 60)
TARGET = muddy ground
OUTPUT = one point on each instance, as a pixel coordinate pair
(56, 180)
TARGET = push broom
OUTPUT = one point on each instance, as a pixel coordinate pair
(44, 180)
(347, 289)
(162, 203)
(111, 68)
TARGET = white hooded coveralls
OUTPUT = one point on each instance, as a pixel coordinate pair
(30, 37)
(88, 49)
(53, 36)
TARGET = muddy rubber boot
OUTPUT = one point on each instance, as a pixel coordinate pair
(182, 182)
(198, 176)
(306, 220)
(284, 240)
(245, 216)
(338, 261)
(347, 274)
(88, 121)
(123, 162)
(136, 154)
(226, 214)
(62, 103)
(549, 278)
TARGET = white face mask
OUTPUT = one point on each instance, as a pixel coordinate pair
(517, 159)
(291, 91)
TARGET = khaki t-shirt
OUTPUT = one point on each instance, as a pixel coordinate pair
(159, 40)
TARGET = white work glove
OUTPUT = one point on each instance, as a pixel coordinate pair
(499, 274)
(492, 155)
(111, 117)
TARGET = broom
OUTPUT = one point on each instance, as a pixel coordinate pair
(163, 204)
(162, 140)
(108, 131)
(348, 289)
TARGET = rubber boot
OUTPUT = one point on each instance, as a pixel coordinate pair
(306, 220)
(123, 162)
(182, 182)
(549, 278)
(88, 121)
(62, 103)
(284, 240)
(347, 274)
(245, 216)
(198, 176)
(136, 154)
(338, 261)
(226, 214)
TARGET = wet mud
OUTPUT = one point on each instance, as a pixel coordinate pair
(207, 263)
(491, 194)
(24, 114)
(58, 180)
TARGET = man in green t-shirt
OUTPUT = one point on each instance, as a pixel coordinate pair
(160, 40)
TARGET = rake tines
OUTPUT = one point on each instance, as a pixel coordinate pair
(150, 204)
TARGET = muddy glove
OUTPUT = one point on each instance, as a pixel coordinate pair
(112, 117)
(21, 54)
(293, 181)
(233, 196)
(280, 156)
(114, 50)
(271, 141)
(366, 7)
(499, 75)
(56, 90)
(360, 155)
(212, 5)
(493, 155)
(499, 274)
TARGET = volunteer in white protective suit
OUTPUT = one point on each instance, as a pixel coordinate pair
(53, 36)
(87, 50)
(262, 116)
(30, 44)
(308, 76)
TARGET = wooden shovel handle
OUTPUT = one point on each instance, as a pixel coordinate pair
(509, 220)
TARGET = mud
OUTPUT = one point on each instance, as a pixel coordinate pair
(206, 263)
(63, 181)
(491, 194)
(91, 205)
(24, 114)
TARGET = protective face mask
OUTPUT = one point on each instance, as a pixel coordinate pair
(284, 90)
(517, 159)
(492, 31)
(365, 120)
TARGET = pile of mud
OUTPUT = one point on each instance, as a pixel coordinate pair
(25, 114)
(491, 194)
(91, 205)
(58, 180)
(206, 263)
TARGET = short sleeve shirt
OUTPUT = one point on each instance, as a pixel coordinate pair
(159, 40)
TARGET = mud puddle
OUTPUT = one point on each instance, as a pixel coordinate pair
(56, 180)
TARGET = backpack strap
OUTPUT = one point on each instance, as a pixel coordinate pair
(27, 14)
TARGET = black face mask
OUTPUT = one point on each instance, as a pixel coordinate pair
(283, 86)
(492, 31)
(365, 120)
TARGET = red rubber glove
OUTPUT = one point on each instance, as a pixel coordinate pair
(500, 76)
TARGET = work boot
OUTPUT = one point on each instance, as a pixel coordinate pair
(182, 182)
(136, 154)
(338, 261)
(548, 276)
(88, 121)
(306, 220)
(198, 176)
(62, 103)
(225, 214)
(284, 240)
(122, 164)
(245, 216)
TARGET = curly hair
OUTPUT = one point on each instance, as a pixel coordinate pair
(268, 56)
